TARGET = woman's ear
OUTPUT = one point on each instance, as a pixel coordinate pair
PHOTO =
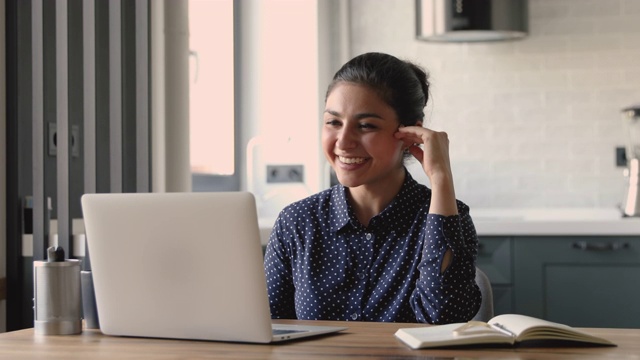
(419, 123)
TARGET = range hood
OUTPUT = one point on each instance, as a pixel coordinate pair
(471, 20)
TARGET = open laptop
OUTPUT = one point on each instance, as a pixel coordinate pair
(181, 266)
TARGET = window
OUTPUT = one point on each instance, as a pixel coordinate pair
(211, 104)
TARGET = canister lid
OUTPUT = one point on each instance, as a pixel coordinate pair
(55, 253)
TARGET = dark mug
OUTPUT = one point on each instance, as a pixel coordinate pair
(89, 308)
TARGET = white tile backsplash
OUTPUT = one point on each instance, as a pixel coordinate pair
(631, 7)
(533, 122)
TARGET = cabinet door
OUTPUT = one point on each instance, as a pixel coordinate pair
(502, 299)
(579, 281)
(494, 258)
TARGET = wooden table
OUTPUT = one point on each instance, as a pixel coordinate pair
(361, 340)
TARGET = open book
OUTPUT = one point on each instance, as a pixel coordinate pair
(507, 329)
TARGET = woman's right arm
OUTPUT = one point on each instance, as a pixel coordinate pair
(277, 268)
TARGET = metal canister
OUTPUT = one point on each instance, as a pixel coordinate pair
(57, 296)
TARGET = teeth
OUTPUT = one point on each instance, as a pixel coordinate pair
(347, 160)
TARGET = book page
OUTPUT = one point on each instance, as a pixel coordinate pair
(501, 329)
(518, 324)
(446, 335)
(530, 328)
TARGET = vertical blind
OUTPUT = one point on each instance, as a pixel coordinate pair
(120, 114)
(78, 121)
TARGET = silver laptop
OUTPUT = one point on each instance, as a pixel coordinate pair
(181, 266)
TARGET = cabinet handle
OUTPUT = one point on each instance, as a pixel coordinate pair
(583, 245)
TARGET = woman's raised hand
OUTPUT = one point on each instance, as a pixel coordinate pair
(434, 157)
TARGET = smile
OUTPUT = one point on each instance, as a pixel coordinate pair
(347, 160)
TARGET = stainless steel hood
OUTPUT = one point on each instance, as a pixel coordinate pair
(471, 20)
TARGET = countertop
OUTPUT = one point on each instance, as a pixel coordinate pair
(554, 221)
(538, 222)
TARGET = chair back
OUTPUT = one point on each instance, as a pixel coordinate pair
(486, 306)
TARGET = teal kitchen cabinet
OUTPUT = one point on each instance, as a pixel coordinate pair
(495, 259)
(583, 281)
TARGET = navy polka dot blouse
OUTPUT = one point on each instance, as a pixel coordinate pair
(322, 264)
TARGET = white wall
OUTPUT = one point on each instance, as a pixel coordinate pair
(534, 122)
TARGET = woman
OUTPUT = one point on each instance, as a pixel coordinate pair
(378, 246)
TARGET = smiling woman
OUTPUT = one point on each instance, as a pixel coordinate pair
(378, 246)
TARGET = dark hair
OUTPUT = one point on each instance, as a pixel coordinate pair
(401, 84)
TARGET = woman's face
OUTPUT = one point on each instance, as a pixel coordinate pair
(357, 137)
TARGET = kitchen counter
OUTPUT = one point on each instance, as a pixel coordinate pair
(554, 221)
(537, 222)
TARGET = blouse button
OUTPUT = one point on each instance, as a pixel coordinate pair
(368, 236)
(361, 276)
(354, 316)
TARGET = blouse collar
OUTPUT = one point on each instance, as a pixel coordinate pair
(342, 214)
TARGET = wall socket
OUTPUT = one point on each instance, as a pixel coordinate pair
(285, 173)
(53, 140)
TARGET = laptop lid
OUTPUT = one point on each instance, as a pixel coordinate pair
(178, 265)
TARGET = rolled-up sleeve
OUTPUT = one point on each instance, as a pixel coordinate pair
(452, 295)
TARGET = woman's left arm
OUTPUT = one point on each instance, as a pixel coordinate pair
(446, 290)
(452, 295)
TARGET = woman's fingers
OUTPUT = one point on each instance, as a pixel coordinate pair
(412, 134)
(434, 154)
